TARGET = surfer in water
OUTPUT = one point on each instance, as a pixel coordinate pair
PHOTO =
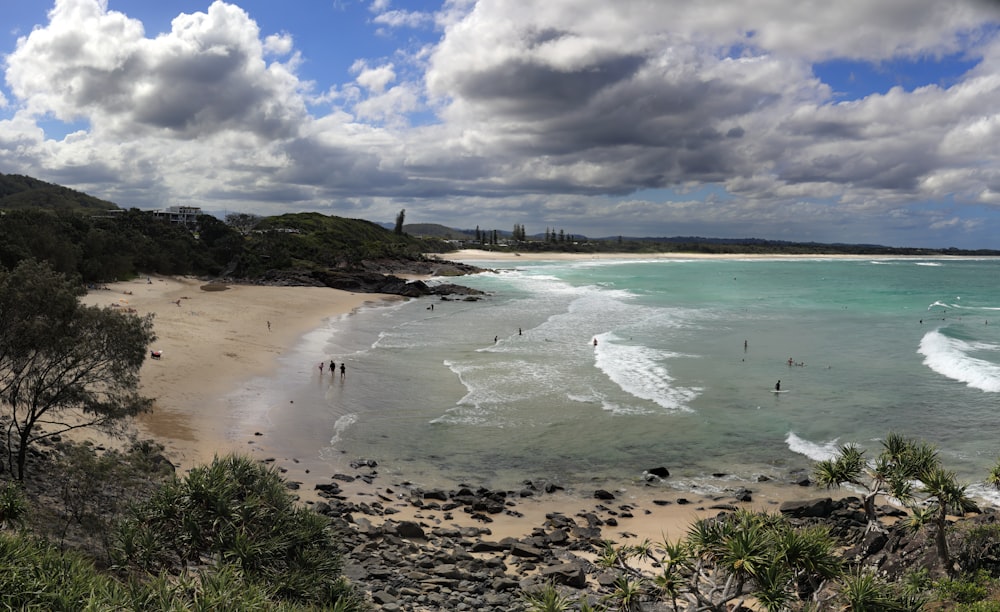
(777, 386)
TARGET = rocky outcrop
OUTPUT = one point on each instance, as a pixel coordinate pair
(363, 280)
(426, 565)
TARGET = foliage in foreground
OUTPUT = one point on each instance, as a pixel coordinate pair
(720, 563)
(760, 560)
(235, 516)
(907, 470)
(228, 537)
(63, 365)
(35, 575)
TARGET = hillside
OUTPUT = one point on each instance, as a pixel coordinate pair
(436, 230)
(18, 191)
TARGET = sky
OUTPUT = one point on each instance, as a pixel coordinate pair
(806, 120)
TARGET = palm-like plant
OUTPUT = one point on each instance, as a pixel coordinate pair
(546, 599)
(744, 556)
(772, 586)
(891, 473)
(627, 593)
(993, 478)
(809, 553)
(946, 496)
(864, 592)
(235, 512)
(13, 506)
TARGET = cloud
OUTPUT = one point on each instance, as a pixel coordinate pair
(206, 75)
(575, 114)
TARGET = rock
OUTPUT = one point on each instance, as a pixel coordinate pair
(525, 551)
(659, 472)
(569, 574)
(602, 494)
(820, 508)
(409, 529)
(329, 489)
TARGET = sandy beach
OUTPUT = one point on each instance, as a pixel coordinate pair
(212, 340)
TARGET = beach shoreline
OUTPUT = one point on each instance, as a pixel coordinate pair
(477, 255)
(211, 338)
(213, 341)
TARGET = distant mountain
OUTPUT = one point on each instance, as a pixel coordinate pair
(17, 191)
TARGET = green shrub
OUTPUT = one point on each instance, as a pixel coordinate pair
(36, 575)
(965, 590)
(237, 517)
(13, 506)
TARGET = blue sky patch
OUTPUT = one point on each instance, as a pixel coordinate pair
(854, 80)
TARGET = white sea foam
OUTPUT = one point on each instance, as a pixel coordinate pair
(950, 357)
(933, 264)
(988, 494)
(639, 371)
(340, 426)
(813, 450)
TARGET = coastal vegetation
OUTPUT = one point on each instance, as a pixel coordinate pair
(228, 536)
(63, 365)
(906, 470)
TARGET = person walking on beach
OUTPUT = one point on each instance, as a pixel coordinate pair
(321, 367)
(333, 367)
(343, 370)
(268, 326)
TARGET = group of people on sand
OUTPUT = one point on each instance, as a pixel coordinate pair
(333, 368)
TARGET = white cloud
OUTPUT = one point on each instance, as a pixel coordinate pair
(375, 79)
(278, 44)
(552, 111)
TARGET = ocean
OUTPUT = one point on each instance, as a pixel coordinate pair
(592, 371)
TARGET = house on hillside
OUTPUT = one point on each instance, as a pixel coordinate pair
(185, 215)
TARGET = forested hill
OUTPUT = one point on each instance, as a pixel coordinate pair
(18, 191)
(80, 236)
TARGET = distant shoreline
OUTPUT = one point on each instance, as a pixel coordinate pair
(474, 255)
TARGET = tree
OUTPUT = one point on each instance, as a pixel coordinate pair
(909, 471)
(944, 495)
(63, 366)
(243, 222)
(399, 222)
(890, 474)
(723, 561)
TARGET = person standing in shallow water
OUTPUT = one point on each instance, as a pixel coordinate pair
(343, 370)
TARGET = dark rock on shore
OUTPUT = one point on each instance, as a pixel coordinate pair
(423, 565)
(364, 280)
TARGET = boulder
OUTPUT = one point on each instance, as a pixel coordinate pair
(817, 508)
(570, 574)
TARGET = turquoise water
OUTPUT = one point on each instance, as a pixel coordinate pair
(687, 357)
